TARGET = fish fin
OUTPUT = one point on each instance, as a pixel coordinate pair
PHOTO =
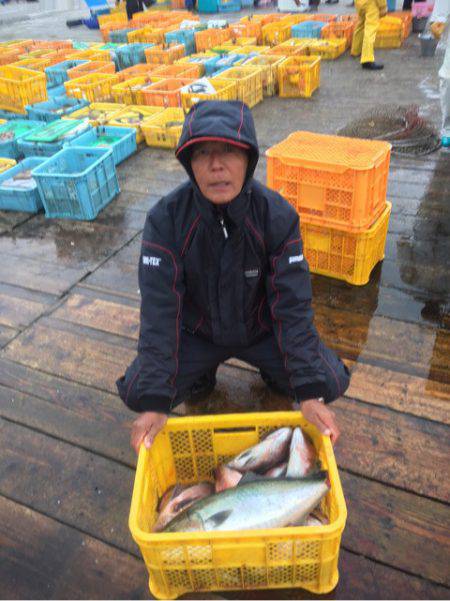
(217, 519)
(251, 477)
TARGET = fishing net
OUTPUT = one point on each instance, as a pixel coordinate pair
(402, 126)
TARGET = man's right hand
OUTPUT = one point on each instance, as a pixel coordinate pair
(145, 428)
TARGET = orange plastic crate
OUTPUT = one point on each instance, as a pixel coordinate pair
(95, 87)
(91, 67)
(406, 18)
(324, 17)
(208, 38)
(299, 76)
(164, 56)
(112, 18)
(262, 19)
(339, 29)
(331, 180)
(113, 26)
(8, 56)
(127, 92)
(20, 87)
(250, 29)
(165, 93)
(136, 71)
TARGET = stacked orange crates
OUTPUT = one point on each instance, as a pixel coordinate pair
(338, 187)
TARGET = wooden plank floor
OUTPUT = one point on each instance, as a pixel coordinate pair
(69, 317)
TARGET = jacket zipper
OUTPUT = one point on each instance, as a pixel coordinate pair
(224, 229)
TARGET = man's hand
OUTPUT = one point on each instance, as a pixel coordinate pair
(145, 428)
(322, 417)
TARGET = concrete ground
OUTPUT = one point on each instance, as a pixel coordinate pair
(69, 318)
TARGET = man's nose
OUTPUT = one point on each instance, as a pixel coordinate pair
(215, 160)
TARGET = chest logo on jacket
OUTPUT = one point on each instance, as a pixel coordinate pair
(296, 259)
(151, 261)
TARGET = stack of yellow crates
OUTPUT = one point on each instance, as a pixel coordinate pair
(338, 187)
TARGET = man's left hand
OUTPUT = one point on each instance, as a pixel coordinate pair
(322, 417)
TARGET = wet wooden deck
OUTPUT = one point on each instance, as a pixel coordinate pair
(68, 327)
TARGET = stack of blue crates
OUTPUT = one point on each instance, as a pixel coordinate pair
(55, 108)
(76, 183)
(182, 36)
(17, 197)
(120, 36)
(57, 74)
(121, 140)
(229, 7)
(131, 54)
(307, 29)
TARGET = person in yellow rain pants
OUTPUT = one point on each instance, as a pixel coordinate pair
(369, 13)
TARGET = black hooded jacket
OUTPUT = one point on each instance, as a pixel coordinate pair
(232, 291)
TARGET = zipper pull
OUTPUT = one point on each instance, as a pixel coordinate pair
(222, 223)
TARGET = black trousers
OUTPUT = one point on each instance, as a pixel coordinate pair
(199, 358)
(133, 6)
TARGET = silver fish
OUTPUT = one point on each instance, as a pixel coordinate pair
(225, 477)
(302, 455)
(278, 471)
(183, 499)
(259, 504)
(264, 455)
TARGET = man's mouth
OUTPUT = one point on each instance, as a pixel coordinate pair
(219, 185)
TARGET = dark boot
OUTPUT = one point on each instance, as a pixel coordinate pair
(372, 66)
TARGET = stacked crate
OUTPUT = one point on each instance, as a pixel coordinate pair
(338, 187)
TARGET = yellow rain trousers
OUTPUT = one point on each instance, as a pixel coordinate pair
(366, 28)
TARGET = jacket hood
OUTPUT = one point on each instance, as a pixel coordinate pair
(218, 120)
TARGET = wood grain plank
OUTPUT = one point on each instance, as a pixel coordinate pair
(397, 528)
(67, 483)
(41, 558)
(397, 449)
(69, 355)
(17, 312)
(6, 335)
(115, 276)
(52, 278)
(100, 314)
(84, 417)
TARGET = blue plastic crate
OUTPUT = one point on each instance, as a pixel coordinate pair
(31, 148)
(55, 108)
(182, 36)
(77, 183)
(15, 197)
(56, 91)
(57, 74)
(9, 115)
(207, 6)
(120, 36)
(122, 140)
(307, 29)
(9, 148)
(131, 54)
(229, 7)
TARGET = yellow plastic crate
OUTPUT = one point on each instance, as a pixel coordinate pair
(90, 55)
(34, 64)
(95, 87)
(345, 255)
(249, 87)
(20, 87)
(299, 76)
(253, 49)
(269, 68)
(127, 91)
(113, 17)
(164, 129)
(97, 113)
(275, 33)
(6, 164)
(328, 49)
(134, 116)
(242, 41)
(225, 90)
(291, 47)
(185, 451)
(390, 33)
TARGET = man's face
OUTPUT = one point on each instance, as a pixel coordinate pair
(219, 170)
